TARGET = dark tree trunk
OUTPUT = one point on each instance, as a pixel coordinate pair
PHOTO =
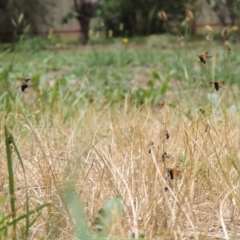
(85, 11)
(233, 11)
(84, 34)
(221, 11)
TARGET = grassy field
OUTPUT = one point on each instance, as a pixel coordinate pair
(132, 129)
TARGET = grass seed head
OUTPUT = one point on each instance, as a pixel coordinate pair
(50, 33)
(189, 15)
(180, 39)
(229, 50)
(121, 27)
(225, 32)
(167, 135)
(163, 16)
(165, 156)
(110, 33)
(209, 37)
(208, 28)
(150, 145)
(227, 44)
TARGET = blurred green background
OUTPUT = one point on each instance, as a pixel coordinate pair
(111, 18)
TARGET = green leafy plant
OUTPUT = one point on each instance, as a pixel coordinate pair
(108, 217)
(152, 93)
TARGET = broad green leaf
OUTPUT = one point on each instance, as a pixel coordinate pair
(164, 88)
(155, 75)
(80, 224)
(108, 215)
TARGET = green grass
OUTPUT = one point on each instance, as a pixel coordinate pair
(81, 134)
(88, 70)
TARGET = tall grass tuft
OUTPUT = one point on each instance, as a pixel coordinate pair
(9, 223)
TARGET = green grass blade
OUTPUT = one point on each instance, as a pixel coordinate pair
(26, 188)
(77, 214)
(10, 178)
(27, 215)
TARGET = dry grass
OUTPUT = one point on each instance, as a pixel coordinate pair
(175, 165)
(105, 152)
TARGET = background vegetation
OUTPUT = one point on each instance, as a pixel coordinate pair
(113, 17)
